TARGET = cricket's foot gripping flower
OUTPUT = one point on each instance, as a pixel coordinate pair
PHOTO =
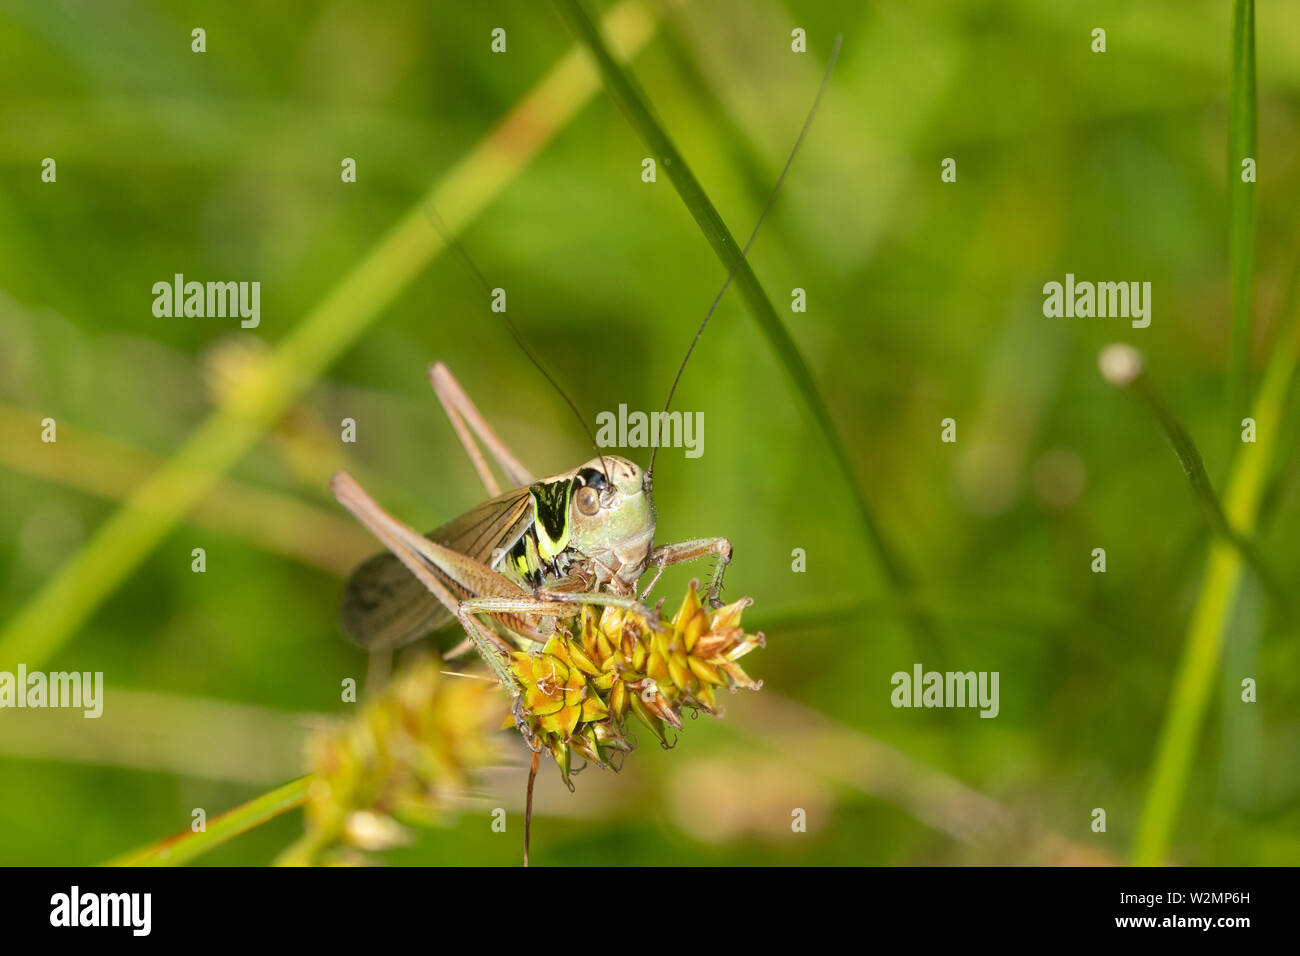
(576, 693)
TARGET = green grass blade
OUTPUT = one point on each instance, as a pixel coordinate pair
(1242, 123)
(1124, 367)
(189, 845)
(625, 91)
(1286, 312)
(114, 552)
(1248, 478)
(1214, 608)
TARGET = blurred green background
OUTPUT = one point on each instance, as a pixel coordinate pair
(924, 302)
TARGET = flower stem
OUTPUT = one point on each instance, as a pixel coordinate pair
(188, 845)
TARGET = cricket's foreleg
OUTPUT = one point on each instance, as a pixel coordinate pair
(469, 424)
(684, 551)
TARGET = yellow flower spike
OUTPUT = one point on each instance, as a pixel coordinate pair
(594, 640)
(706, 699)
(706, 672)
(564, 757)
(396, 760)
(690, 604)
(608, 663)
(611, 620)
(656, 667)
(713, 645)
(618, 700)
(738, 676)
(563, 722)
(541, 704)
(680, 672)
(549, 669)
(729, 616)
(660, 706)
(643, 714)
(544, 692)
(695, 627)
(638, 654)
(746, 645)
(593, 708)
(585, 744)
(556, 647)
(580, 659)
(521, 665)
(575, 689)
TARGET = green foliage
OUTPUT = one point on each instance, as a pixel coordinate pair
(924, 303)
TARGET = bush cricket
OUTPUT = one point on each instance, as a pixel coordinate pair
(531, 555)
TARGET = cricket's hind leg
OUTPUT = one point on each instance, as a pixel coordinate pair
(469, 425)
(437, 568)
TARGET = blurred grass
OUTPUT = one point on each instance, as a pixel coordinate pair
(347, 310)
(1243, 124)
(113, 470)
(1214, 609)
(1221, 588)
(188, 845)
(625, 91)
(924, 302)
(1193, 465)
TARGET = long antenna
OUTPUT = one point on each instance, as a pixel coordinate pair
(771, 200)
(454, 244)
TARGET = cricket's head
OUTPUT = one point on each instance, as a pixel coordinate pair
(612, 511)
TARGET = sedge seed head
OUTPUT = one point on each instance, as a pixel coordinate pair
(609, 664)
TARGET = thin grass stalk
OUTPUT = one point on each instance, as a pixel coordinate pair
(635, 105)
(1124, 367)
(1176, 747)
(187, 846)
(1242, 124)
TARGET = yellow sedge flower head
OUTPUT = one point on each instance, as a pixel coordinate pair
(576, 693)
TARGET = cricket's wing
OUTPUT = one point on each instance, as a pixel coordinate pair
(384, 605)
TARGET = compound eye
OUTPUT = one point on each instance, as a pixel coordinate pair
(588, 501)
(592, 478)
